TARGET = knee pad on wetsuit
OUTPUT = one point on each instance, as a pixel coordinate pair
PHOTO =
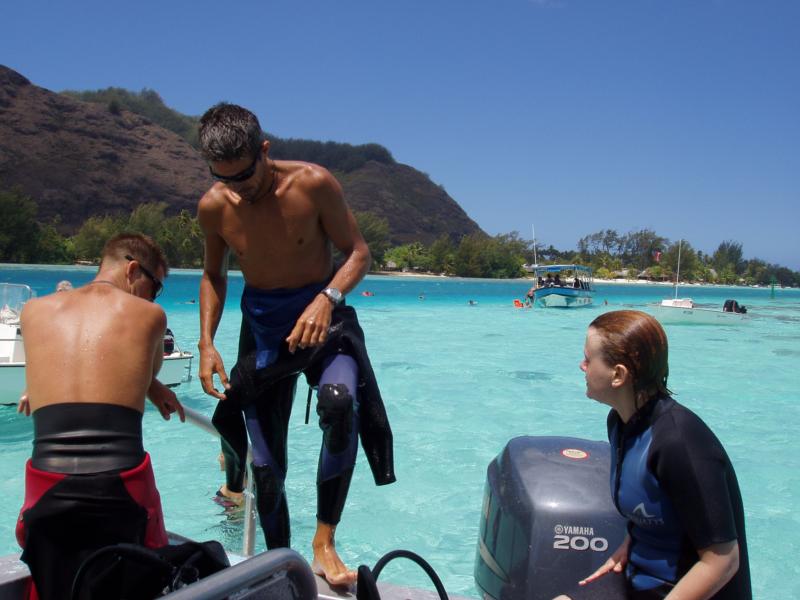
(335, 410)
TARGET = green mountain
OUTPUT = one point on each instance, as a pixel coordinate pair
(140, 150)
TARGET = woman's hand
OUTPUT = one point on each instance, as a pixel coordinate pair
(616, 563)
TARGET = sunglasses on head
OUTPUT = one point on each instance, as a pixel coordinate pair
(240, 176)
(158, 285)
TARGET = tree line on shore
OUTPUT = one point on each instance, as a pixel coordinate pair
(637, 254)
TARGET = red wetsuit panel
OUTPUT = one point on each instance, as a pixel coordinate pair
(36, 484)
(43, 495)
(141, 485)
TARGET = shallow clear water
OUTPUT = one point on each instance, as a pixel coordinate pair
(459, 381)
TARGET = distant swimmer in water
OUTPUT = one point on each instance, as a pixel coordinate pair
(367, 293)
(422, 296)
(89, 482)
(472, 303)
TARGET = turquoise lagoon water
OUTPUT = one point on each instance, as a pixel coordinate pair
(459, 381)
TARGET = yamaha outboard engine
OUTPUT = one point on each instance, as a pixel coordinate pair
(548, 519)
(733, 306)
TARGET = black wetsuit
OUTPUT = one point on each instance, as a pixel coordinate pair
(263, 383)
(674, 482)
(89, 484)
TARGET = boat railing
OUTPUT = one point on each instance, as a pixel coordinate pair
(248, 539)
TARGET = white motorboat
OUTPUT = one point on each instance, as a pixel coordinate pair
(12, 352)
(175, 369)
(684, 311)
(678, 311)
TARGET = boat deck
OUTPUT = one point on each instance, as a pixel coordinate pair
(14, 573)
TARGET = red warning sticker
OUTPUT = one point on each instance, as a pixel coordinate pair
(574, 454)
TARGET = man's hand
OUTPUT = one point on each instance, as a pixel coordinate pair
(311, 328)
(24, 404)
(165, 400)
(210, 363)
(616, 563)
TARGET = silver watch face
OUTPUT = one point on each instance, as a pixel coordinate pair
(333, 294)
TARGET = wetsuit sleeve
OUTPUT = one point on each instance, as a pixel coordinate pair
(695, 473)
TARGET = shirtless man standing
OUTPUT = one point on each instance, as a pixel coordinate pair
(92, 356)
(280, 219)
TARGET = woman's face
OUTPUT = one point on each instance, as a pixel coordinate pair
(599, 374)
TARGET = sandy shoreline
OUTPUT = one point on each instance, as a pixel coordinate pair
(530, 280)
(414, 275)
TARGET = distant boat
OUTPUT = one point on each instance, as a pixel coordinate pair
(175, 369)
(551, 291)
(684, 311)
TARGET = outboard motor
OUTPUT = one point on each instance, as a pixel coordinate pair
(169, 342)
(547, 520)
(734, 307)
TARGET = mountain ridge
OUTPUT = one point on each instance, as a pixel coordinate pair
(78, 159)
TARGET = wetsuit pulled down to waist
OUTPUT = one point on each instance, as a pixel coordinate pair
(268, 317)
(251, 384)
(272, 314)
(71, 510)
(82, 437)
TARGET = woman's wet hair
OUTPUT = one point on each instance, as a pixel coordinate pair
(229, 132)
(637, 341)
(140, 247)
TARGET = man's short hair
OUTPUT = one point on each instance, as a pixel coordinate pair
(140, 247)
(229, 132)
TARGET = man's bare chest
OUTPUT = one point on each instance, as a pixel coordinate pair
(272, 233)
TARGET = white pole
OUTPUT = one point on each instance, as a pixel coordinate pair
(535, 258)
(678, 273)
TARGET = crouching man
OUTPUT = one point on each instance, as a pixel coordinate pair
(92, 355)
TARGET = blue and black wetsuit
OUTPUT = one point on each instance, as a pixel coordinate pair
(263, 383)
(672, 479)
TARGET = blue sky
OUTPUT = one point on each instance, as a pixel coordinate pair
(682, 116)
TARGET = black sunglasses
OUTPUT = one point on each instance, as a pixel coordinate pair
(158, 285)
(240, 176)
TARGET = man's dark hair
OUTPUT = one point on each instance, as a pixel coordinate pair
(229, 132)
(140, 247)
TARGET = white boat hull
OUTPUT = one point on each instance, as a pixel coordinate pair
(700, 316)
(176, 369)
(12, 382)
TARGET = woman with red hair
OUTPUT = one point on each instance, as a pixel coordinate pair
(670, 476)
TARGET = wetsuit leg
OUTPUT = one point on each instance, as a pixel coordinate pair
(337, 407)
(229, 422)
(268, 424)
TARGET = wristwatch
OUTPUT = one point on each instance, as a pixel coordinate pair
(334, 295)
